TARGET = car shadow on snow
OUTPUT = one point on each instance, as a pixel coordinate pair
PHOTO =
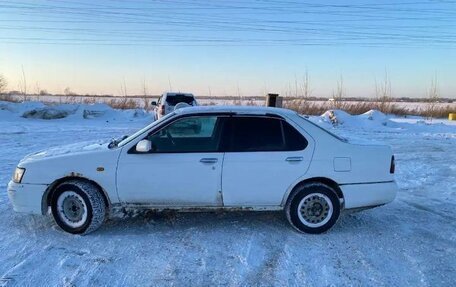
(148, 222)
(136, 222)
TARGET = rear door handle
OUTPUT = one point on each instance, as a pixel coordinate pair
(294, 158)
(209, 160)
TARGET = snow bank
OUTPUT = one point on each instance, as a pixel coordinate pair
(376, 120)
(39, 110)
(347, 126)
(368, 119)
(45, 113)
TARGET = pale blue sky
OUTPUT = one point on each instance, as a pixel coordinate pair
(229, 46)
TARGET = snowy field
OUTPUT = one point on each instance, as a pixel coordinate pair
(207, 100)
(410, 242)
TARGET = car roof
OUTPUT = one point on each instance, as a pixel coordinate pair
(253, 110)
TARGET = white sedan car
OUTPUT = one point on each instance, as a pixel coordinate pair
(207, 158)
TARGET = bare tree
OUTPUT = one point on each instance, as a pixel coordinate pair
(339, 94)
(124, 94)
(300, 93)
(433, 96)
(23, 84)
(289, 91)
(265, 90)
(296, 92)
(68, 91)
(145, 93)
(383, 94)
(37, 88)
(37, 91)
(169, 83)
(3, 84)
(70, 95)
(239, 94)
(123, 88)
(305, 86)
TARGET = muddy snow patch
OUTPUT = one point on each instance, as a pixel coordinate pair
(46, 113)
(336, 117)
(71, 112)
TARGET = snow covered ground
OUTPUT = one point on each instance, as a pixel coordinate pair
(410, 242)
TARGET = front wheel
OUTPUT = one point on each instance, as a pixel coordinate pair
(313, 208)
(78, 207)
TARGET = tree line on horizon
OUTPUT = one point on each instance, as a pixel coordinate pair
(299, 98)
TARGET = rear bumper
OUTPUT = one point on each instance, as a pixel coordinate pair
(26, 197)
(368, 194)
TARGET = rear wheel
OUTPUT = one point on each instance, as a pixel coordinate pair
(78, 207)
(313, 208)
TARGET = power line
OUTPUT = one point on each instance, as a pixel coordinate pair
(260, 22)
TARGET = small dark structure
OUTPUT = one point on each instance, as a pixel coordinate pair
(273, 100)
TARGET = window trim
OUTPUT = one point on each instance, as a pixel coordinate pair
(220, 147)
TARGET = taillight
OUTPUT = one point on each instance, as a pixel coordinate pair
(162, 110)
(393, 165)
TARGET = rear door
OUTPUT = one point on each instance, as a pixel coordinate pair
(264, 156)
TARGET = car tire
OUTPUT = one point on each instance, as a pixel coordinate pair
(78, 207)
(312, 208)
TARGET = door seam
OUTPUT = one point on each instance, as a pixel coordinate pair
(221, 180)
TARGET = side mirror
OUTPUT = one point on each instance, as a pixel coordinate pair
(154, 103)
(144, 146)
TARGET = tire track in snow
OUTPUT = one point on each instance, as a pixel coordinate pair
(421, 207)
(63, 266)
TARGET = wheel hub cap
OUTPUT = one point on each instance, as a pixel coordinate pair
(73, 208)
(315, 209)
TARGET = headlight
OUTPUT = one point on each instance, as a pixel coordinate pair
(18, 174)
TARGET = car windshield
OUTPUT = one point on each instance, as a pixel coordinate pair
(141, 131)
(174, 99)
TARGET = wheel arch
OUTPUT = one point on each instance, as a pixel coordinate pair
(47, 196)
(324, 180)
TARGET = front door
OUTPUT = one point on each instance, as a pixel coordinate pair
(183, 169)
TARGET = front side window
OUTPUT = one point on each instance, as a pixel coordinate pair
(190, 134)
(249, 134)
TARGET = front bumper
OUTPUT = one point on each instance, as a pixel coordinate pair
(368, 194)
(26, 198)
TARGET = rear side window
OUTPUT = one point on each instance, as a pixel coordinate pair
(174, 99)
(249, 134)
(294, 140)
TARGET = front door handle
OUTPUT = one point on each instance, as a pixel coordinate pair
(294, 158)
(209, 160)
